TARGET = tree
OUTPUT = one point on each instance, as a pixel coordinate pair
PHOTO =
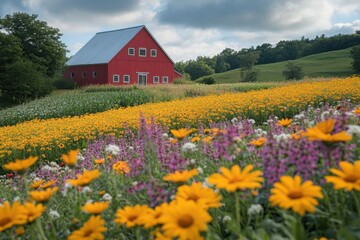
(355, 54)
(198, 69)
(40, 43)
(293, 71)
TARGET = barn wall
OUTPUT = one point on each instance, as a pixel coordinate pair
(100, 78)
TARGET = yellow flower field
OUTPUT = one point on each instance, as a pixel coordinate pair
(54, 133)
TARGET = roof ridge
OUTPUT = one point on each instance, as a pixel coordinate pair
(121, 29)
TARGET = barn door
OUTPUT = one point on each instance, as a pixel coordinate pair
(142, 79)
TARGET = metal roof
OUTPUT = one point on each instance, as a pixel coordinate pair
(103, 46)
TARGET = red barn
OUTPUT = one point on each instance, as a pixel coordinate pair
(122, 57)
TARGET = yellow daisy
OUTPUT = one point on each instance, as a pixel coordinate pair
(347, 177)
(258, 142)
(323, 132)
(130, 216)
(184, 220)
(20, 166)
(37, 183)
(92, 229)
(11, 215)
(43, 196)
(291, 193)
(99, 161)
(357, 111)
(71, 158)
(181, 176)
(33, 211)
(202, 196)
(284, 122)
(181, 133)
(234, 179)
(84, 179)
(96, 207)
(121, 167)
(48, 184)
(151, 217)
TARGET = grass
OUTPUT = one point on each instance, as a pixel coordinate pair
(328, 64)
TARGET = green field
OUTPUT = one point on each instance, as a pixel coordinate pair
(328, 64)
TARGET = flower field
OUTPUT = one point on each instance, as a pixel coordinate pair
(281, 163)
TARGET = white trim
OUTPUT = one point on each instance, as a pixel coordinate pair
(116, 76)
(140, 51)
(151, 52)
(163, 79)
(158, 79)
(133, 49)
(83, 74)
(128, 76)
(94, 74)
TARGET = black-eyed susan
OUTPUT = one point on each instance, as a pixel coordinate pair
(95, 207)
(184, 220)
(195, 139)
(291, 193)
(33, 211)
(43, 196)
(323, 132)
(180, 177)
(234, 179)
(121, 167)
(92, 229)
(131, 216)
(71, 158)
(258, 142)
(99, 161)
(181, 133)
(37, 183)
(207, 139)
(48, 184)
(204, 197)
(347, 177)
(357, 110)
(84, 179)
(151, 217)
(284, 122)
(20, 166)
(11, 215)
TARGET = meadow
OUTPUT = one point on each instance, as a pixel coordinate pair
(279, 163)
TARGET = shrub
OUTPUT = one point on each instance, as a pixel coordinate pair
(249, 75)
(293, 71)
(355, 54)
(208, 80)
(64, 83)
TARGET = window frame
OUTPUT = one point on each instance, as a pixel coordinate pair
(126, 76)
(133, 49)
(140, 49)
(151, 52)
(158, 79)
(94, 74)
(167, 79)
(116, 76)
(83, 74)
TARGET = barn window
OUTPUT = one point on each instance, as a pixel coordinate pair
(94, 74)
(72, 74)
(115, 78)
(84, 74)
(153, 52)
(126, 78)
(165, 79)
(131, 51)
(156, 79)
(142, 52)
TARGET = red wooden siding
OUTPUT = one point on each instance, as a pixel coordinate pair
(100, 69)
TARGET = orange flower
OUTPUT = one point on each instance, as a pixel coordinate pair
(99, 161)
(347, 177)
(181, 176)
(323, 132)
(37, 183)
(21, 166)
(121, 167)
(181, 133)
(258, 142)
(48, 184)
(96, 207)
(43, 196)
(285, 122)
(85, 178)
(71, 158)
(33, 211)
(357, 111)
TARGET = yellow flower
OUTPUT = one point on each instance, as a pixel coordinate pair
(207, 139)
(130, 216)
(19, 231)
(196, 139)
(347, 178)
(184, 220)
(181, 133)
(92, 229)
(181, 176)
(11, 215)
(285, 122)
(258, 142)
(43, 196)
(71, 158)
(33, 211)
(173, 140)
(37, 184)
(48, 184)
(291, 193)
(202, 196)
(99, 161)
(85, 178)
(234, 179)
(322, 132)
(121, 167)
(96, 207)
(102, 192)
(20, 166)
(297, 135)
(151, 217)
(357, 111)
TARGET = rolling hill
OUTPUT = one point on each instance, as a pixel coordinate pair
(328, 64)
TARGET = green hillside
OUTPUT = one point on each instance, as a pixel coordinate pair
(328, 64)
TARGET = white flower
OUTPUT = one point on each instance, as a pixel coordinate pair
(353, 130)
(119, 195)
(165, 135)
(54, 214)
(17, 198)
(226, 218)
(86, 190)
(299, 116)
(188, 147)
(80, 157)
(207, 184)
(54, 164)
(234, 120)
(46, 168)
(113, 149)
(192, 161)
(254, 209)
(134, 183)
(131, 148)
(324, 115)
(66, 188)
(281, 137)
(89, 201)
(200, 170)
(252, 121)
(107, 197)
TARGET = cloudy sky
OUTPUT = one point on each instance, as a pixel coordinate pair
(190, 28)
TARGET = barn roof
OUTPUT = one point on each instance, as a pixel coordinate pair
(103, 46)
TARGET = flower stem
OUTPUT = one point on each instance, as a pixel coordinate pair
(237, 209)
(357, 202)
(41, 230)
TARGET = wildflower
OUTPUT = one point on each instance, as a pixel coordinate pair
(188, 147)
(290, 193)
(92, 229)
(71, 158)
(96, 207)
(85, 179)
(184, 220)
(151, 217)
(130, 216)
(181, 176)
(121, 167)
(207, 140)
(112, 149)
(258, 142)
(255, 209)
(281, 137)
(323, 132)
(48, 184)
(33, 211)
(36, 183)
(347, 177)
(181, 133)
(99, 161)
(195, 139)
(173, 140)
(86, 189)
(102, 192)
(107, 197)
(353, 130)
(234, 179)
(43, 196)
(226, 218)
(285, 122)
(204, 197)
(20, 166)
(20, 231)
(357, 111)
(11, 215)
(54, 214)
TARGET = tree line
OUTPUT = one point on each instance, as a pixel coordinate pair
(265, 53)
